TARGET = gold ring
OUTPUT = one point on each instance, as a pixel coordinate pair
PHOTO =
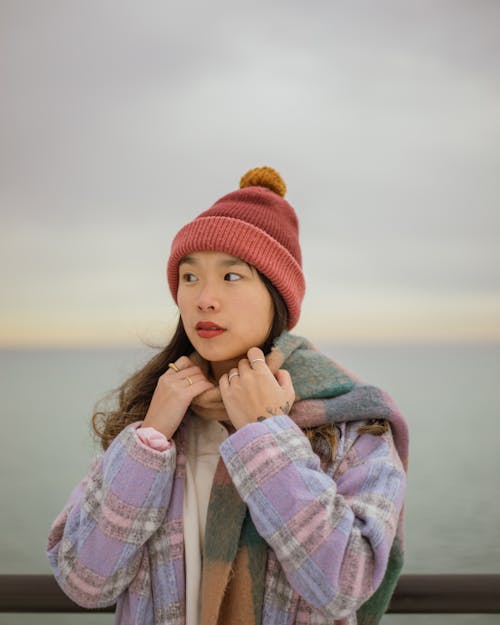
(190, 382)
(257, 360)
(232, 375)
(172, 365)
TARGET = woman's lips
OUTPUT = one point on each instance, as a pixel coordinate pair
(208, 330)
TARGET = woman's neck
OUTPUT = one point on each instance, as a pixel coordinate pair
(217, 369)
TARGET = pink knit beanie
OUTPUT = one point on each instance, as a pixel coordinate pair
(254, 223)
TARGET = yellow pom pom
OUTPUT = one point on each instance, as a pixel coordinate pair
(264, 177)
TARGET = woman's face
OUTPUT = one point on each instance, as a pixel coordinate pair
(224, 305)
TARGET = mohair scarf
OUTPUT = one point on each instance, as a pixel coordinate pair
(234, 561)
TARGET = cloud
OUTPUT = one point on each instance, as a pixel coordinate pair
(120, 122)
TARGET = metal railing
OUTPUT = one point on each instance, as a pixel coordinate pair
(414, 594)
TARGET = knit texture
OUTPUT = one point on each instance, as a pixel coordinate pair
(255, 224)
(235, 559)
(303, 543)
(264, 177)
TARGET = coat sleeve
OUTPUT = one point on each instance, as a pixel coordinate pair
(96, 543)
(332, 537)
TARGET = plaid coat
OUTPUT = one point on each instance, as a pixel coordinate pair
(329, 529)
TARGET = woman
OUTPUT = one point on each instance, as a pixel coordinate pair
(246, 478)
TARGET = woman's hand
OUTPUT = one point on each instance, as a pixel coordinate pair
(251, 391)
(174, 392)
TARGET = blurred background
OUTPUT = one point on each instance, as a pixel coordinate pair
(121, 121)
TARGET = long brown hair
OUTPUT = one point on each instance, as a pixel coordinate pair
(133, 397)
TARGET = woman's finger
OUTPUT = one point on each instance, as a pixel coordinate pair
(285, 381)
(223, 383)
(200, 386)
(244, 366)
(256, 358)
(188, 371)
(233, 373)
(183, 363)
(176, 367)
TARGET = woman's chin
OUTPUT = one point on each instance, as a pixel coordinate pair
(214, 354)
(214, 349)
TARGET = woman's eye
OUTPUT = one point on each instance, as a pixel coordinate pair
(189, 277)
(231, 277)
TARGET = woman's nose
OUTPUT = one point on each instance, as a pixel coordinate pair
(207, 299)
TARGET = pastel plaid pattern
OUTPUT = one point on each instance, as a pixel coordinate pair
(305, 516)
(104, 548)
(97, 546)
(334, 532)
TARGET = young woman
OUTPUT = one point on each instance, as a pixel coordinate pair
(246, 478)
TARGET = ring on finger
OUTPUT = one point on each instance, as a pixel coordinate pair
(172, 365)
(232, 375)
(189, 381)
(257, 360)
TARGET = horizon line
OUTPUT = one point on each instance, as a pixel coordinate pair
(330, 341)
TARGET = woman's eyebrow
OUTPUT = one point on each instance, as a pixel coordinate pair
(226, 262)
(188, 259)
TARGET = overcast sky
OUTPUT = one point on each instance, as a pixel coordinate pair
(120, 121)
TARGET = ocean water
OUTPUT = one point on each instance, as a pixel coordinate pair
(448, 393)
